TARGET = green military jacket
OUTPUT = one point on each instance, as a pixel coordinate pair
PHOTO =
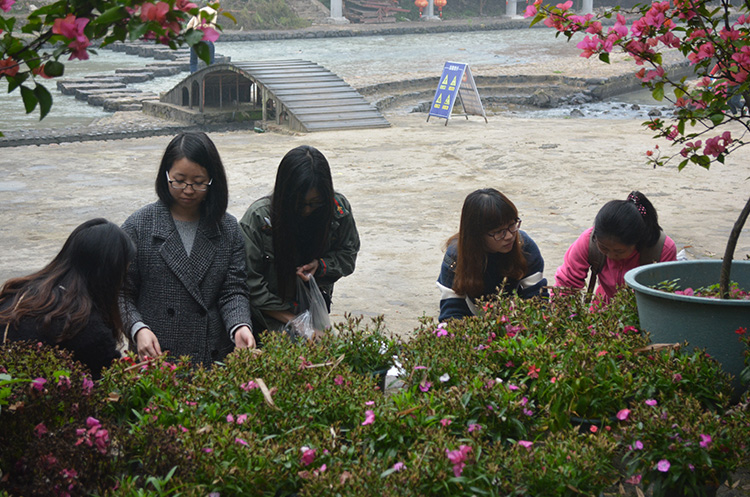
(338, 259)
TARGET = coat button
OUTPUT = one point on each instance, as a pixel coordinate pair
(202, 313)
(170, 311)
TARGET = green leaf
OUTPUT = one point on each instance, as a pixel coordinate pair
(111, 16)
(658, 92)
(230, 16)
(16, 81)
(138, 32)
(54, 68)
(717, 118)
(193, 37)
(45, 100)
(604, 57)
(203, 52)
(29, 99)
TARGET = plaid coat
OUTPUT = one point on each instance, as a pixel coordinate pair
(190, 303)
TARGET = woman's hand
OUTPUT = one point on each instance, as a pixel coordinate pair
(243, 338)
(147, 344)
(308, 270)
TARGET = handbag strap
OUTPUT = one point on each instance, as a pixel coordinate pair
(7, 325)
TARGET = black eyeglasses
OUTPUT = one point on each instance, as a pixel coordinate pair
(499, 236)
(181, 185)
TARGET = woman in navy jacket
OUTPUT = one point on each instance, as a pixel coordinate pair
(489, 254)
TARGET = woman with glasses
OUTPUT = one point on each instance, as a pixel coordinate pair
(189, 295)
(488, 254)
(72, 302)
(303, 228)
(626, 234)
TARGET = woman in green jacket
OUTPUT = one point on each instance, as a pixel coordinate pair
(303, 228)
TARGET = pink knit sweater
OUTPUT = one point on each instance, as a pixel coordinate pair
(575, 268)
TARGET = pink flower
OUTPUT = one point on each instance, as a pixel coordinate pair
(240, 441)
(601, 353)
(38, 384)
(663, 465)
(230, 418)
(250, 385)
(398, 466)
(155, 12)
(676, 378)
(6, 4)
(705, 440)
(207, 450)
(593, 429)
(530, 11)
(241, 419)
(370, 403)
(88, 385)
(623, 414)
(445, 422)
(651, 402)
(474, 427)
(308, 456)
(425, 386)
(40, 430)
(458, 458)
(634, 480)
(369, 418)
(637, 445)
(339, 380)
(525, 444)
(533, 371)
(512, 387)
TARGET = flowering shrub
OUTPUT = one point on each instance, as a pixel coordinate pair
(715, 41)
(490, 405)
(32, 52)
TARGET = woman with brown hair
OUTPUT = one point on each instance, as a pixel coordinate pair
(489, 254)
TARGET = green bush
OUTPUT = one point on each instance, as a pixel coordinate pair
(529, 398)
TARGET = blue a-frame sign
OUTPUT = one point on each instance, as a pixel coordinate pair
(456, 82)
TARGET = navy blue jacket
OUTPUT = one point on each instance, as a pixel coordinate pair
(532, 284)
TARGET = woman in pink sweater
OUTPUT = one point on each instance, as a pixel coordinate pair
(626, 234)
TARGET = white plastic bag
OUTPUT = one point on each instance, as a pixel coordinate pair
(314, 317)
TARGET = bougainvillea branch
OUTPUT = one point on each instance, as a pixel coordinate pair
(711, 117)
(72, 28)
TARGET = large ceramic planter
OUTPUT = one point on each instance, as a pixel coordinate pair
(703, 322)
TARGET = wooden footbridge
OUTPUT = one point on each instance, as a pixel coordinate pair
(298, 93)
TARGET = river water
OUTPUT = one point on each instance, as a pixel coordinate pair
(356, 59)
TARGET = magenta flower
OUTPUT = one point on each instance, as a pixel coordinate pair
(651, 402)
(637, 445)
(63, 382)
(425, 386)
(38, 384)
(40, 430)
(370, 403)
(676, 378)
(623, 414)
(207, 450)
(634, 480)
(525, 444)
(230, 418)
(308, 456)
(241, 419)
(398, 466)
(88, 385)
(474, 427)
(339, 380)
(458, 458)
(445, 422)
(369, 418)
(705, 440)
(240, 441)
(512, 387)
(663, 465)
(6, 4)
(250, 385)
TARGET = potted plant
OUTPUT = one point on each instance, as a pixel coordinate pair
(714, 40)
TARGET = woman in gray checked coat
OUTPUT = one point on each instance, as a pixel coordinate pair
(186, 287)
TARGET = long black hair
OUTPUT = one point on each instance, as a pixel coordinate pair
(631, 222)
(87, 274)
(197, 147)
(298, 240)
